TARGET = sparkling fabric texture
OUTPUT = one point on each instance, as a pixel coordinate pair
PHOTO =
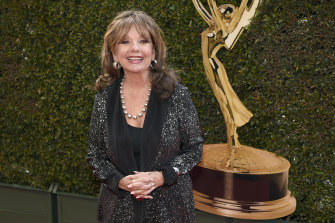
(180, 146)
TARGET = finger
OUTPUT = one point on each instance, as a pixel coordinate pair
(144, 174)
(146, 194)
(136, 185)
(140, 183)
(145, 189)
(139, 175)
(149, 191)
(124, 182)
(144, 197)
(139, 188)
(141, 178)
(143, 192)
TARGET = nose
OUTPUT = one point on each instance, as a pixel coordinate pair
(135, 46)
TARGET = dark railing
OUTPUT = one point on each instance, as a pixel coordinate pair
(30, 205)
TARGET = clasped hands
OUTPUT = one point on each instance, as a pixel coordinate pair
(141, 184)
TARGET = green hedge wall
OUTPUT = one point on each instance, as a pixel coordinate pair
(282, 68)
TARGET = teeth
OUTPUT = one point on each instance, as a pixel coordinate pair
(135, 58)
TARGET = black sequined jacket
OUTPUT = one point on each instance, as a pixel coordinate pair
(171, 138)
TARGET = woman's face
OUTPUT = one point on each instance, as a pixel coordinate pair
(134, 53)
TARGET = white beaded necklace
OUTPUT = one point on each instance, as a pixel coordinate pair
(124, 108)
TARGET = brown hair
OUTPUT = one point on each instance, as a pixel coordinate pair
(163, 80)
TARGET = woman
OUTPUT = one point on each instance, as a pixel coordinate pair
(142, 142)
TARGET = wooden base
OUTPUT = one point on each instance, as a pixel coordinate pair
(255, 187)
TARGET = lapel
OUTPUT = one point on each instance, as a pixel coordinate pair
(152, 131)
(117, 131)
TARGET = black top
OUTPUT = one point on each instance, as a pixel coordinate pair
(135, 137)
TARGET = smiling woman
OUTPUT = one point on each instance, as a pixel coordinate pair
(134, 53)
(142, 142)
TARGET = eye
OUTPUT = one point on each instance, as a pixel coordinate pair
(124, 42)
(144, 41)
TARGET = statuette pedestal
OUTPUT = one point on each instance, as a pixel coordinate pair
(255, 186)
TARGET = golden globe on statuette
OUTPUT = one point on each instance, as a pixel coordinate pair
(235, 180)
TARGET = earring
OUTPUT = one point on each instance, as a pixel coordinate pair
(153, 63)
(116, 65)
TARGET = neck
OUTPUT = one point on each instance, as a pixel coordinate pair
(137, 80)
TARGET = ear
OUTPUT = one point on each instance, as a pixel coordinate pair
(115, 58)
(153, 56)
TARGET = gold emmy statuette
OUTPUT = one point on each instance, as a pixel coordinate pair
(235, 180)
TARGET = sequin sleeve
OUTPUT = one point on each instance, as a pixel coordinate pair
(191, 140)
(97, 158)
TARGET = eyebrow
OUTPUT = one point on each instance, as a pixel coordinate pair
(144, 36)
